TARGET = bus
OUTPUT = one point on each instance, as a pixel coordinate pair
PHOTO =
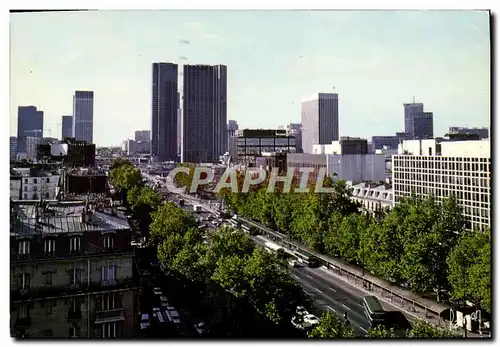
(374, 310)
(307, 258)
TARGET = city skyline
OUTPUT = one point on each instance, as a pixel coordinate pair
(374, 68)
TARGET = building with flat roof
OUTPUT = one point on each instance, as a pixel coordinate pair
(13, 148)
(67, 127)
(33, 183)
(29, 124)
(204, 110)
(346, 145)
(320, 120)
(444, 168)
(482, 133)
(419, 124)
(251, 143)
(164, 112)
(83, 116)
(71, 272)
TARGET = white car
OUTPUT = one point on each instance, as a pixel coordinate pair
(173, 315)
(157, 291)
(310, 319)
(145, 321)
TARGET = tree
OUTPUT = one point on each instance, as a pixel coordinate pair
(331, 326)
(169, 220)
(380, 332)
(470, 269)
(423, 330)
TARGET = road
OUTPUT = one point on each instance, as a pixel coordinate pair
(328, 292)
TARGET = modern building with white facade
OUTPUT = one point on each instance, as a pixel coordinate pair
(32, 184)
(443, 168)
(373, 197)
(83, 116)
(320, 120)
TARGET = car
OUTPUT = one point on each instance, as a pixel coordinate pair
(145, 321)
(293, 263)
(157, 291)
(164, 301)
(156, 309)
(173, 315)
(311, 319)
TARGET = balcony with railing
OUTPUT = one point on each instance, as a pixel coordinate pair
(37, 293)
(109, 315)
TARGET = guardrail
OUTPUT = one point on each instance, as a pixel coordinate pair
(406, 299)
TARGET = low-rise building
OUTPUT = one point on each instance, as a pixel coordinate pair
(33, 183)
(71, 272)
(373, 196)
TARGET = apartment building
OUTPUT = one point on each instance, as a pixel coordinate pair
(33, 184)
(443, 168)
(71, 272)
(373, 196)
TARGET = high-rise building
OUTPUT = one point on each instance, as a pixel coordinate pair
(83, 116)
(232, 127)
(142, 135)
(320, 120)
(67, 127)
(295, 129)
(164, 112)
(179, 125)
(204, 133)
(418, 123)
(13, 148)
(29, 123)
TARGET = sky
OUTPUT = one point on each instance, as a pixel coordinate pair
(374, 60)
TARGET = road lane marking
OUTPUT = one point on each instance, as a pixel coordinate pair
(344, 305)
(319, 291)
(333, 290)
(366, 331)
(331, 309)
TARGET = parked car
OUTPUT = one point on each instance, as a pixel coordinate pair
(173, 315)
(145, 321)
(163, 301)
(157, 291)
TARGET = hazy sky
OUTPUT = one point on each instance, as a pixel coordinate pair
(375, 60)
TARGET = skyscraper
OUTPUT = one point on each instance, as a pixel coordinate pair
(83, 116)
(29, 123)
(179, 125)
(232, 126)
(418, 124)
(204, 136)
(164, 112)
(142, 135)
(67, 127)
(320, 120)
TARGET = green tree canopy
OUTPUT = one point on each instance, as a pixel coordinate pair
(332, 326)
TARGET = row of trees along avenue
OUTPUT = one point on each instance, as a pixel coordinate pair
(239, 289)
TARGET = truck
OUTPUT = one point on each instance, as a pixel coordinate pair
(197, 208)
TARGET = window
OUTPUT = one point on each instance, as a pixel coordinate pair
(47, 180)
(109, 330)
(49, 308)
(74, 276)
(24, 247)
(35, 181)
(25, 188)
(24, 281)
(34, 188)
(25, 196)
(48, 278)
(74, 331)
(74, 305)
(108, 273)
(47, 195)
(50, 246)
(26, 181)
(108, 301)
(108, 241)
(74, 244)
(22, 311)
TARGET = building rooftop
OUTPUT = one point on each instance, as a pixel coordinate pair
(31, 219)
(32, 172)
